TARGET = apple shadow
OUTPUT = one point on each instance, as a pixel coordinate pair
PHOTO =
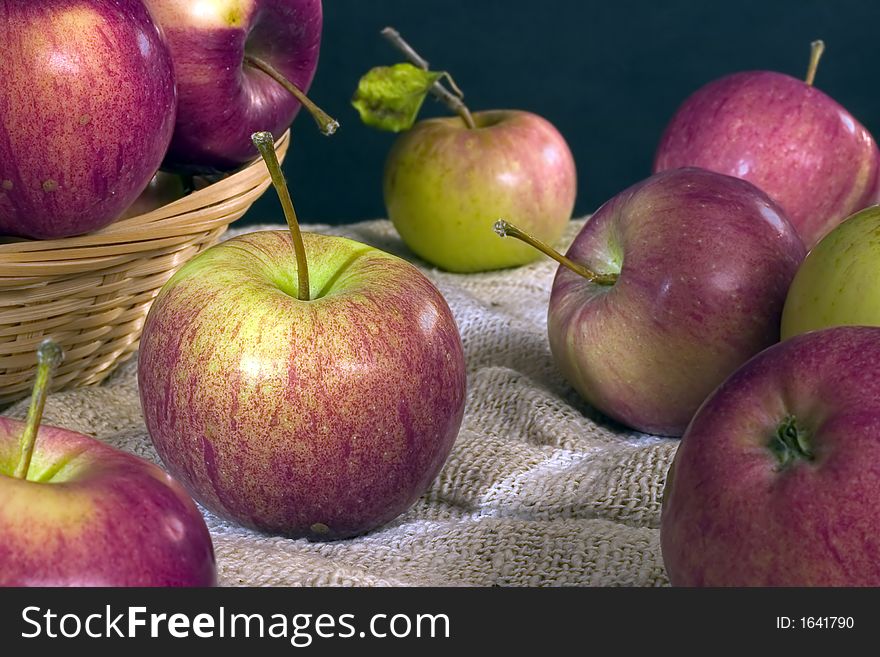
(331, 282)
(573, 398)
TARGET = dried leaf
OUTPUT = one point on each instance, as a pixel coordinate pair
(390, 97)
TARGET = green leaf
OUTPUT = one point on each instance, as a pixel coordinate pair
(390, 97)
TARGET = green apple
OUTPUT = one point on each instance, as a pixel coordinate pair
(839, 282)
(446, 184)
(448, 180)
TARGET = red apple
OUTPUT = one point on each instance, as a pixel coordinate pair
(700, 264)
(87, 107)
(782, 134)
(776, 480)
(77, 512)
(316, 400)
(223, 98)
(91, 515)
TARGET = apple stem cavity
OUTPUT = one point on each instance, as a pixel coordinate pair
(790, 444)
(452, 100)
(265, 143)
(326, 123)
(505, 229)
(817, 47)
(49, 356)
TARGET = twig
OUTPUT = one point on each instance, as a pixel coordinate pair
(452, 101)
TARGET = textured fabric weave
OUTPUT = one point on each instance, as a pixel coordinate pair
(539, 490)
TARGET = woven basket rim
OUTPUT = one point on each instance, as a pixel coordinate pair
(173, 219)
(92, 292)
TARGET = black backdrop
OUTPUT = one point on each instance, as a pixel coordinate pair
(608, 74)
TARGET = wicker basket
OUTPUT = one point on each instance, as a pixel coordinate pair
(91, 293)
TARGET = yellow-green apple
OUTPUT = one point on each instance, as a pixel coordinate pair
(839, 281)
(87, 107)
(447, 180)
(775, 481)
(314, 400)
(445, 185)
(77, 512)
(698, 265)
(782, 134)
(217, 47)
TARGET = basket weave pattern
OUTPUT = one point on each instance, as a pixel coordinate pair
(91, 293)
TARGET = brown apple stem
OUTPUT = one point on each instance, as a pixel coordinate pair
(326, 123)
(451, 100)
(505, 229)
(49, 356)
(265, 143)
(816, 49)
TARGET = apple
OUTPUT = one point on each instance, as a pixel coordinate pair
(77, 512)
(303, 385)
(216, 46)
(696, 267)
(91, 515)
(87, 108)
(782, 134)
(447, 180)
(775, 482)
(445, 185)
(839, 281)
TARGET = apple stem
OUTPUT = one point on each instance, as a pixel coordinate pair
(816, 49)
(49, 356)
(505, 229)
(265, 143)
(326, 123)
(451, 100)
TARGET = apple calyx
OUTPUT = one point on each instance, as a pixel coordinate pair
(505, 229)
(49, 356)
(790, 444)
(817, 47)
(265, 143)
(326, 123)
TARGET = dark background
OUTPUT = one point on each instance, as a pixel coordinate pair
(609, 75)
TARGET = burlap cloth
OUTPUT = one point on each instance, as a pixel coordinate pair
(539, 489)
